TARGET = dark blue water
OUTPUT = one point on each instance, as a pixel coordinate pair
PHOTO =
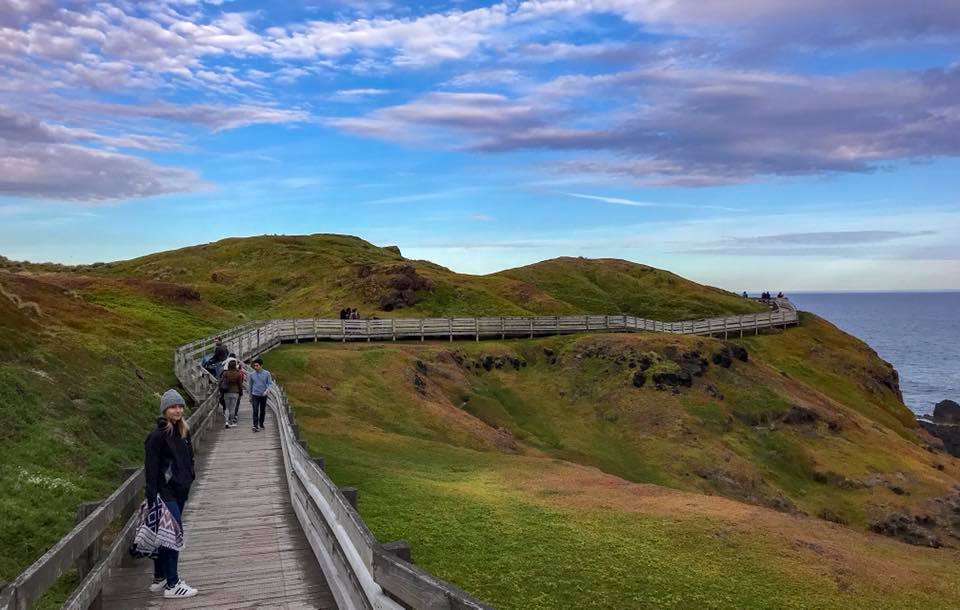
(917, 332)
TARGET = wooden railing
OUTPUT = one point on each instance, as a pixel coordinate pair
(361, 572)
(83, 548)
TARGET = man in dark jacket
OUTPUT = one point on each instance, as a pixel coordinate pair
(220, 351)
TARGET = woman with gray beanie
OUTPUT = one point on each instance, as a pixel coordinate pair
(168, 469)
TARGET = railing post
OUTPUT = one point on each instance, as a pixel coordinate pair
(343, 331)
(314, 329)
(450, 328)
(393, 328)
(8, 595)
(399, 548)
(421, 330)
(531, 328)
(89, 558)
(350, 493)
(503, 331)
(476, 327)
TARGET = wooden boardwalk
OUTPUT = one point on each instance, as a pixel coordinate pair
(244, 545)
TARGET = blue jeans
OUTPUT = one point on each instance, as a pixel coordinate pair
(165, 565)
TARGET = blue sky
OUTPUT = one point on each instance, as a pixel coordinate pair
(749, 144)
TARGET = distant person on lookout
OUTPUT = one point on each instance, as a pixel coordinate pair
(780, 295)
(745, 295)
(168, 470)
(260, 382)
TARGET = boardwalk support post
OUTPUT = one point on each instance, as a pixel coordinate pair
(399, 548)
(350, 493)
(86, 562)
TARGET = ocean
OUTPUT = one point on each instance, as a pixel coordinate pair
(917, 332)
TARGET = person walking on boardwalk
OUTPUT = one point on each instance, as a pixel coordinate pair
(260, 382)
(169, 472)
(231, 388)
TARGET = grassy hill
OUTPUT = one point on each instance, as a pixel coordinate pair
(85, 351)
(81, 363)
(553, 481)
(317, 275)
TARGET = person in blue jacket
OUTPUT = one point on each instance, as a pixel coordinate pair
(260, 382)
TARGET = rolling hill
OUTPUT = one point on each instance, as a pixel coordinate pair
(808, 433)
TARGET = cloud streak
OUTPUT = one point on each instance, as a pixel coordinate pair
(649, 204)
(40, 160)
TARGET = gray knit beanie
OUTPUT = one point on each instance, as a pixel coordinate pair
(170, 397)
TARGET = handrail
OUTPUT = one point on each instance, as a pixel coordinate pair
(33, 582)
(316, 498)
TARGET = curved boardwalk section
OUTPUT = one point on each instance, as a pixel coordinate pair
(244, 545)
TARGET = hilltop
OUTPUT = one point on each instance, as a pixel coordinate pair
(316, 275)
(810, 425)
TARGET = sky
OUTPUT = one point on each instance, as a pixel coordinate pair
(748, 144)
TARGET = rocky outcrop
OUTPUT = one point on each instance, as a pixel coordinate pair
(945, 425)
(798, 415)
(392, 286)
(912, 529)
(949, 434)
(946, 412)
(489, 362)
(664, 380)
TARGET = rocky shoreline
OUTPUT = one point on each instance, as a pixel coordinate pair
(945, 425)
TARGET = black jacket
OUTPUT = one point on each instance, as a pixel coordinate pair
(220, 353)
(167, 454)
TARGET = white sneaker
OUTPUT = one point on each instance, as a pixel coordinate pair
(158, 585)
(181, 589)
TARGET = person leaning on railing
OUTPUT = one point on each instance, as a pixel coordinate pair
(168, 468)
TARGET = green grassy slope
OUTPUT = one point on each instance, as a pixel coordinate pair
(81, 364)
(492, 473)
(617, 286)
(81, 370)
(319, 274)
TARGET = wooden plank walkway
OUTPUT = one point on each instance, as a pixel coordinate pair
(244, 545)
